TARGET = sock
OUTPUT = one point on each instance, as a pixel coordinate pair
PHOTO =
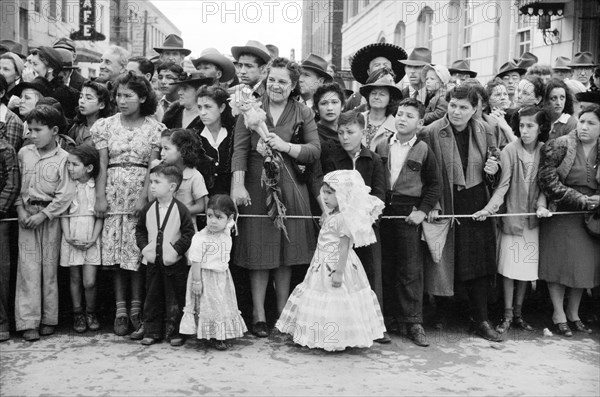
(508, 313)
(518, 310)
(77, 310)
(136, 308)
(121, 309)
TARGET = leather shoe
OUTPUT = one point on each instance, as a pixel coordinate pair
(504, 325)
(260, 329)
(31, 335)
(416, 333)
(46, 330)
(138, 334)
(386, 339)
(564, 330)
(121, 326)
(485, 330)
(579, 326)
(177, 340)
(518, 322)
(149, 341)
(220, 345)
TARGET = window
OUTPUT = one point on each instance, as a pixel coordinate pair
(524, 41)
(400, 34)
(23, 26)
(353, 8)
(467, 18)
(37, 6)
(52, 10)
(424, 28)
(64, 11)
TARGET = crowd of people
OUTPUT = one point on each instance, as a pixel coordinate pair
(211, 188)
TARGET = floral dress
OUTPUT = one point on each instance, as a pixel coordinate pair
(319, 315)
(129, 153)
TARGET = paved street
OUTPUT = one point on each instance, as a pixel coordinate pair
(455, 364)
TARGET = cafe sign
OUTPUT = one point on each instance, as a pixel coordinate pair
(87, 22)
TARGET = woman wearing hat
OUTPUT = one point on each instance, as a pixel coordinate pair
(382, 102)
(261, 246)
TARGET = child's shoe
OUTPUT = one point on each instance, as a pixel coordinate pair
(138, 334)
(136, 321)
(220, 345)
(79, 324)
(31, 335)
(46, 330)
(177, 340)
(92, 321)
(149, 341)
(121, 326)
(504, 325)
(518, 322)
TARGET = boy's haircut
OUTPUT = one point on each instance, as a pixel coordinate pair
(257, 60)
(464, 92)
(46, 115)
(541, 117)
(169, 171)
(352, 117)
(172, 67)
(88, 155)
(49, 101)
(413, 103)
(145, 65)
(222, 203)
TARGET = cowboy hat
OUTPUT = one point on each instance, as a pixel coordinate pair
(195, 80)
(273, 50)
(318, 65)
(583, 60)
(562, 63)
(253, 47)
(173, 43)
(12, 46)
(39, 84)
(212, 55)
(527, 59)
(420, 56)
(384, 81)
(361, 59)
(462, 66)
(510, 67)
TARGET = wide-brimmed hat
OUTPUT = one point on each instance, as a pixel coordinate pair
(212, 55)
(562, 63)
(510, 67)
(12, 46)
(440, 71)
(195, 80)
(173, 43)
(420, 56)
(252, 47)
(318, 65)
(361, 59)
(386, 81)
(67, 58)
(55, 60)
(583, 60)
(273, 50)
(588, 96)
(40, 84)
(527, 59)
(462, 66)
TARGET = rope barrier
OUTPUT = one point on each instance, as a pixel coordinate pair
(318, 217)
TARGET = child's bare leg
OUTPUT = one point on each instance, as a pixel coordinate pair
(75, 287)
(283, 275)
(89, 286)
(509, 290)
(137, 293)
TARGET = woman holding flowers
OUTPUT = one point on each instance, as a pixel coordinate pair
(292, 142)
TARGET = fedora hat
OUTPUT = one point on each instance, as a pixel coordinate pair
(67, 58)
(462, 66)
(588, 96)
(562, 63)
(510, 67)
(318, 65)
(212, 55)
(253, 47)
(12, 46)
(195, 80)
(527, 59)
(40, 84)
(386, 81)
(273, 50)
(583, 60)
(173, 43)
(361, 59)
(420, 56)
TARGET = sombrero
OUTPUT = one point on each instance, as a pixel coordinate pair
(360, 62)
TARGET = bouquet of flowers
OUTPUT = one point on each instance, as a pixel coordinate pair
(243, 102)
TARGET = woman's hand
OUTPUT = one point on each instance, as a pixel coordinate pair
(101, 206)
(543, 212)
(139, 206)
(481, 215)
(491, 166)
(433, 215)
(336, 280)
(416, 217)
(592, 202)
(240, 195)
(276, 143)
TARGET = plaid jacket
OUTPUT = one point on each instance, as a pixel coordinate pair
(9, 177)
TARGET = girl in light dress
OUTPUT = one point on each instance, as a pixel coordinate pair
(211, 310)
(80, 248)
(334, 307)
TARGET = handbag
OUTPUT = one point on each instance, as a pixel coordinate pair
(592, 223)
(302, 171)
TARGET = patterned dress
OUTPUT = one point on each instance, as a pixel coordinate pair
(128, 156)
(318, 315)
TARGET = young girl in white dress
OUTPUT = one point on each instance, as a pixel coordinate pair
(80, 248)
(211, 310)
(334, 307)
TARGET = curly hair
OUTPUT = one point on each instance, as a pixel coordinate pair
(293, 70)
(141, 87)
(324, 89)
(541, 117)
(103, 97)
(556, 83)
(221, 97)
(187, 144)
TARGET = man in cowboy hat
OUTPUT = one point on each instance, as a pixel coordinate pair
(459, 72)
(75, 79)
(583, 67)
(413, 66)
(172, 50)
(561, 69)
(371, 58)
(314, 74)
(251, 60)
(212, 64)
(510, 74)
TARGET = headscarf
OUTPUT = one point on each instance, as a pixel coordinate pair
(357, 207)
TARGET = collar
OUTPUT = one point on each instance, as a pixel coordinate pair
(411, 142)
(165, 100)
(363, 152)
(220, 138)
(35, 150)
(188, 173)
(3, 113)
(563, 118)
(164, 206)
(389, 123)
